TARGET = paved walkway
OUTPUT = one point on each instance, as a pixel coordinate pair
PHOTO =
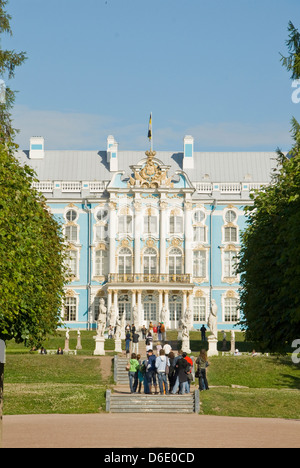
(132, 431)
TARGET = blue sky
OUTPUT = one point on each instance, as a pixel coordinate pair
(206, 68)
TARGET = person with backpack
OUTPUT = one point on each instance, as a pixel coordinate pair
(151, 371)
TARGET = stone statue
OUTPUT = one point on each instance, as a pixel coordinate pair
(118, 329)
(101, 322)
(188, 318)
(135, 314)
(212, 319)
(164, 314)
(112, 317)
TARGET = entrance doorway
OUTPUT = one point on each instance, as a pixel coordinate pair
(175, 306)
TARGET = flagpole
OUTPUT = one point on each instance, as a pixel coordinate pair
(151, 134)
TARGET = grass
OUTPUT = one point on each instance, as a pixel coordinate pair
(36, 384)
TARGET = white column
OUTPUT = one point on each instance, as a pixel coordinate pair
(109, 299)
(184, 302)
(167, 324)
(188, 231)
(116, 302)
(112, 236)
(163, 232)
(139, 304)
(160, 304)
(138, 223)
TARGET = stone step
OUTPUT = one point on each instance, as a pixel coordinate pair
(141, 403)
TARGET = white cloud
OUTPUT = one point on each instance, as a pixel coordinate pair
(71, 130)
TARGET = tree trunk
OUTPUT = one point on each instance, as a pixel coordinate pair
(1, 399)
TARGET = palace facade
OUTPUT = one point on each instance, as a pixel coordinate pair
(150, 230)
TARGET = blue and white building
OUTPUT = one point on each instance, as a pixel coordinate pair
(150, 229)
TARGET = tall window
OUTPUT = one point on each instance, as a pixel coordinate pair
(199, 305)
(231, 309)
(150, 308)
(230, 234)
(125, 261)
(230, 264)
(176, 224)
(150, 224)
(150, 261)
(125, 224)
(72, 262)
(101, 232)
(199, 264)
(175, 307)
(71, 233)
(101, 263)
(175, 262)
(200, 234)
(124, 306)
(70, 309)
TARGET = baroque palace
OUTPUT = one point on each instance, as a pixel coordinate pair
(150, 231)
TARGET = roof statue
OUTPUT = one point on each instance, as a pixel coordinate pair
(151, 175)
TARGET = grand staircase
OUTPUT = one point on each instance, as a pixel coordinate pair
(120, 400)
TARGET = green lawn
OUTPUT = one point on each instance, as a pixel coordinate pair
(36, 384)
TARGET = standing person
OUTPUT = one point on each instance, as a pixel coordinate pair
(144, 331)
(161, 363)
(127, 342)
(189, 373)
(151, 327)
(167, 348)
(158, 348)
(172, 371)
(176, 378)
(135, 342)
(163, 331)
(149, 341)
(151, 371)
(141, 372)
(202, 364)
(183, 369)
(203, 332)
(159, 336)
(133, 373)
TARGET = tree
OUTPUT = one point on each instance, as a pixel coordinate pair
(31, 257)
(31, 242)
(270, 254)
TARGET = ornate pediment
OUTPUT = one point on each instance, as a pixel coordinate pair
(150, 175)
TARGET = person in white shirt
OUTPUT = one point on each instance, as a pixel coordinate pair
(167, 348)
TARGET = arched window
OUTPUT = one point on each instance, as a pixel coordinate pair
(175, 261)
(150, 261)
(125, 261)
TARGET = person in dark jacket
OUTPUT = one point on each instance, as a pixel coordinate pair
(183, 370)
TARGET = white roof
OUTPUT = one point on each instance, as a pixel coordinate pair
(208, 166)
